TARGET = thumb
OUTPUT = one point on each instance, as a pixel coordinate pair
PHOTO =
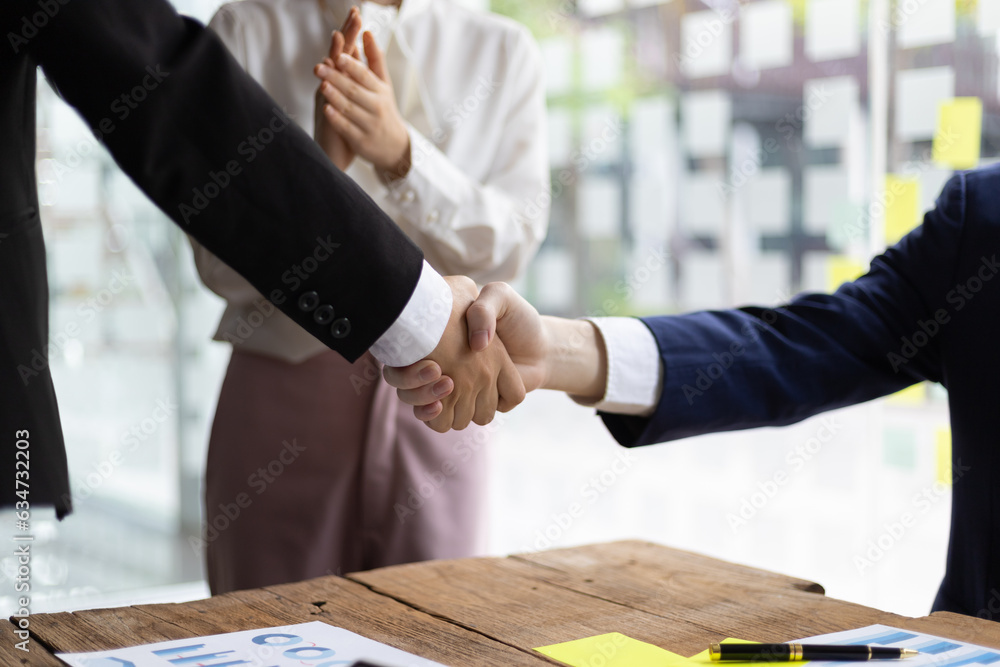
(483, 314)
(376, 59)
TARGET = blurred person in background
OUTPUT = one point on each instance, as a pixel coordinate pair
(927, 310)
(439, 116)
(195, 142)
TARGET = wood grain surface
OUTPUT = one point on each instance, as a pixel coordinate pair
(494, 611)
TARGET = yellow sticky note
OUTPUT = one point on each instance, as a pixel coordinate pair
(959, 132)
(611, 650)
(617, 650)
(942, 448)
(913, 395)
(841, 269)
(902, 207)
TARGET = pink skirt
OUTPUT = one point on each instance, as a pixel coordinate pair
(317, 468)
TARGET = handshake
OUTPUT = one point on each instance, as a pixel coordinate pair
(495, 349)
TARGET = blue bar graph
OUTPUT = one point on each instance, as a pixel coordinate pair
(200, 658)
(882, 639)
(163, 652)
(934, 651)
(983, 658)
(935, 647)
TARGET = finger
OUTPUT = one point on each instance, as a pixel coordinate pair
(339, 107)
(463, 412)
(336, 45)
(443, 422)
(357, 71)
(376, 59)
(413, 376)
(353, 52)
(322, 69)
(509, 386)
(427, 394)
(360, 97)
(348, 18)
(438, 425)
(351, 30)
(503, 405)
(347, 130)
(482, 315)
(486, 406)
(426, 413)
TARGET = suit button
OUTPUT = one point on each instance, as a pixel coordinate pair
(341, 328)
(308, 301)
(323, 315)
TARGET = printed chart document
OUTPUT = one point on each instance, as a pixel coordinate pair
(934, 651)
(313, 644)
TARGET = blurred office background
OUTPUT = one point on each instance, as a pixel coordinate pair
(705, 153)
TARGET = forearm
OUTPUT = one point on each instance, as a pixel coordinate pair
(576, 358)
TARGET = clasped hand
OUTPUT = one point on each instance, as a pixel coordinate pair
(546, 352)
(499, 323)
(356, 112)
(463, 384)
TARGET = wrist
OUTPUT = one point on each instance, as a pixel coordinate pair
(343, 161)
(575, 358)
(398, 168)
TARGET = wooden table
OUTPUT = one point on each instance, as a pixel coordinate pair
(493, 611)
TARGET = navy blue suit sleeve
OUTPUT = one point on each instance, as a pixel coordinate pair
(749, 367)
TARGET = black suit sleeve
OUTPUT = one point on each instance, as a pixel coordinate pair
(218, 156)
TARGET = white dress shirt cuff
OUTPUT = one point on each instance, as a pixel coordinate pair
(418, 329)
(635, 373)
(428, 195)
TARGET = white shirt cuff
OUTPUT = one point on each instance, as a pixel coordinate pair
(634, 380)
(418, 329)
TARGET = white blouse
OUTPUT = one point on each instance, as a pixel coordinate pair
(469, 86)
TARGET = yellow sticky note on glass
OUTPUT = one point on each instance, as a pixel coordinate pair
(959, 133)
(942, 447)
(902, 207)
(841, 269)
(612, 650)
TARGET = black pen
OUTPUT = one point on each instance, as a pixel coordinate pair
(789, 652)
